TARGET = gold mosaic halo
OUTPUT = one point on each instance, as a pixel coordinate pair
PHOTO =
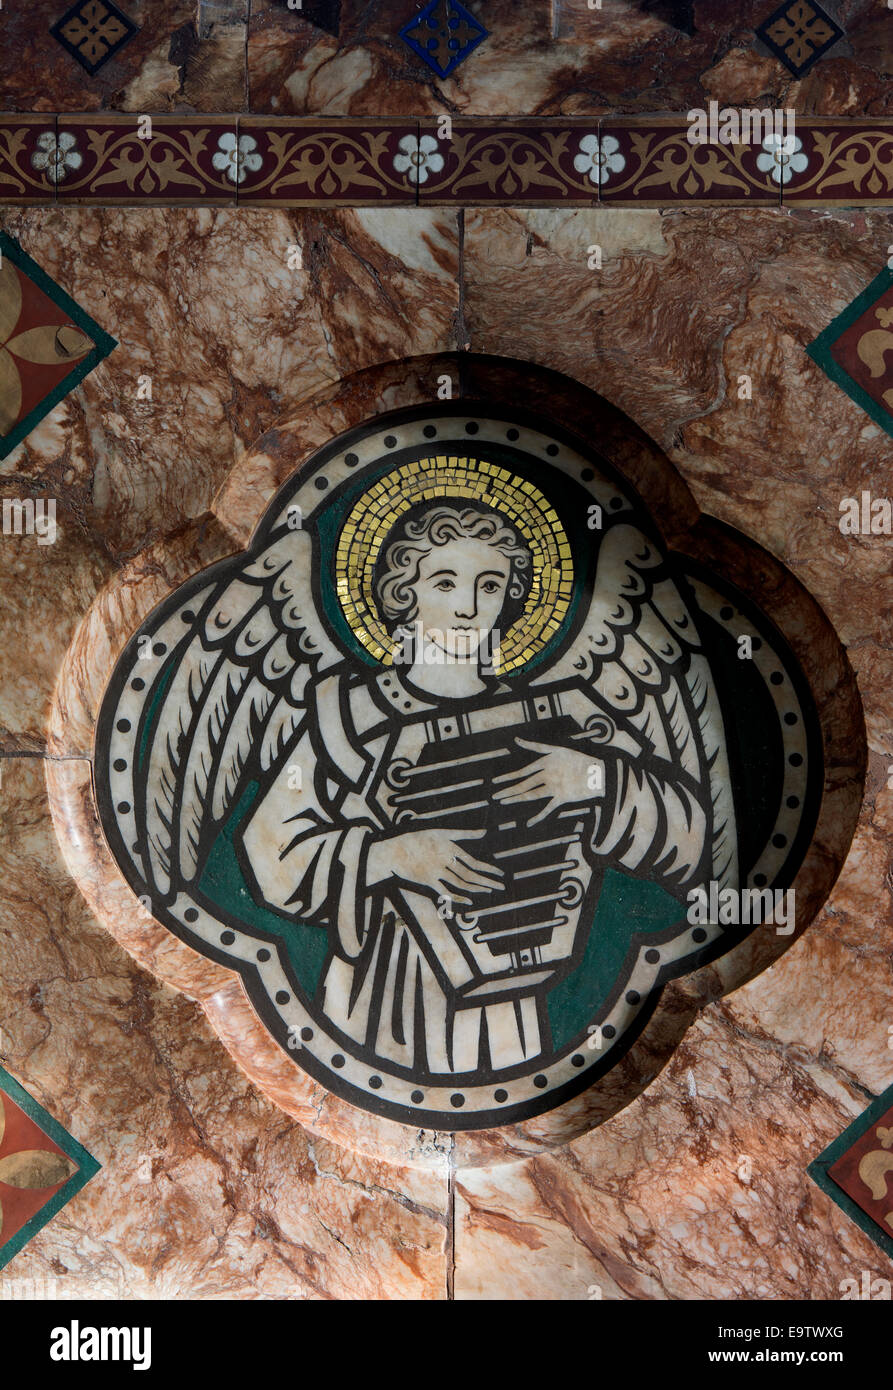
(441, 478)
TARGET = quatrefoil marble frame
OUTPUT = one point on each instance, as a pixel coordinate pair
(227, 528)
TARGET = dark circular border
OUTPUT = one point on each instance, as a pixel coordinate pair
(251, 976)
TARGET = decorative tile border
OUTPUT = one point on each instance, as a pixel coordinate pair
(853, 350)
(41, 1167)
(633, 161)
(855, 1171)
(841, 164)
(650, 162)
(175, 159)
(303, 162)
(524, 162)
(25, 174)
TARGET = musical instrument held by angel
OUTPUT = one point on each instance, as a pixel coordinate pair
(530, 932)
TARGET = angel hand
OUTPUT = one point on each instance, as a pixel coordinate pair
(558, 776)
(434, 859)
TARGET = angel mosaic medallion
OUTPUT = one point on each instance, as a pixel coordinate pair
(438, 763)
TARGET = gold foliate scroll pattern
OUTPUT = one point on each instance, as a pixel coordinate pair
(658, 161)
(332, 163)
(179, 159)
(860, 162)
(514, 163)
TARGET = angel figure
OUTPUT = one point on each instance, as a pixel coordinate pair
(447, 826)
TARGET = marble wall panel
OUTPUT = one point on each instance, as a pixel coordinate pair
(697, 1190)
(650, 1205)
(551, 58)
(44, 592)
(562, 58)
(185, 56)
(206, 306)
(645, 330)
(206, 1188)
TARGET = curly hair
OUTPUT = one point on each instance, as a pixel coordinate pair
(398, 568)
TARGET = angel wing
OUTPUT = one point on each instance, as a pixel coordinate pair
(226, 702)
(639, 651)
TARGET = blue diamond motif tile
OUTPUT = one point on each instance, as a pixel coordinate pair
(444, 34)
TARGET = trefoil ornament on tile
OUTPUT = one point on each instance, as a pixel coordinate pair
(856, 350)
(93, 31)
(856, 1172)
(799, 33)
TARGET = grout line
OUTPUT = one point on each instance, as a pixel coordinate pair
(46, 757)
(451, 1227)
(463, 341)
(247, 89)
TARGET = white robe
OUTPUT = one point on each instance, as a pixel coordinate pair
(386, 983)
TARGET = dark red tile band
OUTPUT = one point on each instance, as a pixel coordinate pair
(307, 163)
(263, 161)
(28, 159)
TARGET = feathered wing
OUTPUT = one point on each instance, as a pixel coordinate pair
(231, 699)
(639, 650)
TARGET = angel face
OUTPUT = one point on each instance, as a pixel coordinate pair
(459, 594)
(450, 576)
